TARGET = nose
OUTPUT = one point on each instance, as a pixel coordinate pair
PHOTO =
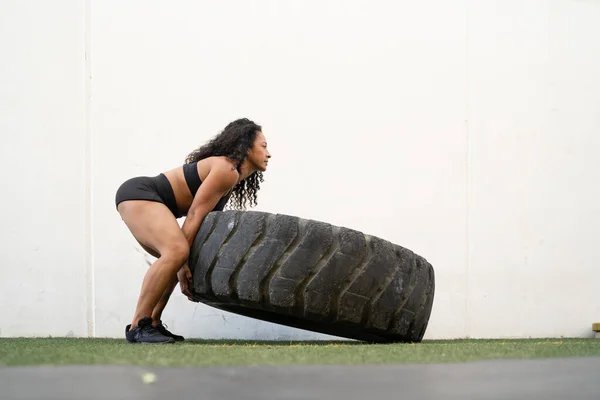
(268, 155)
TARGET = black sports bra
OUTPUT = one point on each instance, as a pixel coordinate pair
(192, 178)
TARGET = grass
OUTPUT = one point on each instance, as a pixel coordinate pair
(65, 351)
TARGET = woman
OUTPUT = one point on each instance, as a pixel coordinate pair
(228, 166)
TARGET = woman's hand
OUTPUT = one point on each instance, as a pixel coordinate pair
(184, 275)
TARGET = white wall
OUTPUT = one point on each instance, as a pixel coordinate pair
(534, 124)
(465, 131)
(45, 281)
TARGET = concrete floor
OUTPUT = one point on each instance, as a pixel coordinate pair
(570, 378)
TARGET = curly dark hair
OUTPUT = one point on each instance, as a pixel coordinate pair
(234, 142)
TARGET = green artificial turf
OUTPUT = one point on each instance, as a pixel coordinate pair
(63, 351)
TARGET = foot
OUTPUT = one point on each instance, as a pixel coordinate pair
(162, 328)
(145, 333)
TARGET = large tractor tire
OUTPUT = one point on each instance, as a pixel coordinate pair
(311, 275)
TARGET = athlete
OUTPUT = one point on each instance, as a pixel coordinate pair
(229, 168)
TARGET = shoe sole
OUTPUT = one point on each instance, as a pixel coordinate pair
(170, 342)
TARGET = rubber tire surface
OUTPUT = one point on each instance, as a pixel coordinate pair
(311, 275)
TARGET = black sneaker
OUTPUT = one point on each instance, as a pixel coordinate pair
(162, 328)
(145, 333)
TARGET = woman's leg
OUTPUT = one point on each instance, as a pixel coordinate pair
(162, 303)
(155, 227)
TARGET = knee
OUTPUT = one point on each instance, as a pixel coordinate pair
(178, 253)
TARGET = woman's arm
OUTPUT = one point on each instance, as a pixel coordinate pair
(221, 179)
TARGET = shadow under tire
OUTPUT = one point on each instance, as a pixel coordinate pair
(311, 275)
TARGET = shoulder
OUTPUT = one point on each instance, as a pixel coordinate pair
(221, 163)
(223, 170)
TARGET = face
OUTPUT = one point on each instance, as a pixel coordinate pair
(259, 155)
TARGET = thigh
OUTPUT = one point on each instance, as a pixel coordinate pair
(152, 224)
(150, 251)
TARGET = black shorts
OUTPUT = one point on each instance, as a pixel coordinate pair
(157, 188)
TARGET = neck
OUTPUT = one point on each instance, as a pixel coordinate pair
(245, 170)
